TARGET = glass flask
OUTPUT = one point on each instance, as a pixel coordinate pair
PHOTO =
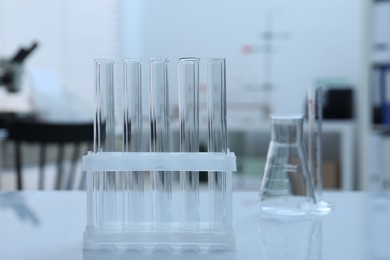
(286, 188)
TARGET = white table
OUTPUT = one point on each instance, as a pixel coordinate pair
(53, 224)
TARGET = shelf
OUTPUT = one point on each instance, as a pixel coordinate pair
(381, 128)
(376, 64)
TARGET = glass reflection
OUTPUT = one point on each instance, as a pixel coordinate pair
(17, 203)
(379, 226)
(290, 239)
(113, 254)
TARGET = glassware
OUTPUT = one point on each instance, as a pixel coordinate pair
(299, 238)
(188, 72)
(120, 215)
(315, 147)
(286, 188)
(217, 142)
(104, 120)
(105, 183)
(132, 140)
(161, 182)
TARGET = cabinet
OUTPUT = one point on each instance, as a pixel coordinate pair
(380, 63)
(379, 92)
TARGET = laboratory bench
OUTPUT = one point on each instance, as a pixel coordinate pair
(50, 225)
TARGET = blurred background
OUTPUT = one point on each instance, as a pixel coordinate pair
(275, 50)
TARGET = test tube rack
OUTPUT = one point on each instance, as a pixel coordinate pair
(122, 212)
(146, 236)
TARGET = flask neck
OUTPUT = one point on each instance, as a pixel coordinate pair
(287, 129)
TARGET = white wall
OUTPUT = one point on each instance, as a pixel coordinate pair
(324, 42)
(327, 39)
(71, 34)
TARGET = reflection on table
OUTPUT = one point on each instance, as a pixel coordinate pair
(49, 225)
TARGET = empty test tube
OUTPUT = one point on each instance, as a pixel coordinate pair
(311, 103)
(216, 106)
(188, 83)
(104, 183)
(315, 138)
(318, 150)
(132, 140)
(315, 147)
(161, 182)
(323, 206)
(104, 121)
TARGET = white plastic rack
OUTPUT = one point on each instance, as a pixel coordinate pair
(119, 232)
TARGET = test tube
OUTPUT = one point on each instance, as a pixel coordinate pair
(323, 206)
(188, 83)
(104, 183)
(161, 182)
(217, 142)
(318, 140)
(315, 147)
(312, 159)
(132, 140)
(104, 121)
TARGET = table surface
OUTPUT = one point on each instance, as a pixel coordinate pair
(50, 224)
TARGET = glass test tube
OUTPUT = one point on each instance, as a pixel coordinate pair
(132, 140)
(104, 122)
(318, 150)
(311, 114)
(216, 106)
(322, 205)
(188, 83)
(161, 182)
(104, 183)
(315, 147)
(315, 138)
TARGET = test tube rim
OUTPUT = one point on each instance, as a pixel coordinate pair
(158, 59)
(104, 61)
(286, 116)
(216, 59)
(136, 60)
(184, 59)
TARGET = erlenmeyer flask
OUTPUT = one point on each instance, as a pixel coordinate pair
(286, 189)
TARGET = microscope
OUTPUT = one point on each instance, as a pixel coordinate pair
(11, 70)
